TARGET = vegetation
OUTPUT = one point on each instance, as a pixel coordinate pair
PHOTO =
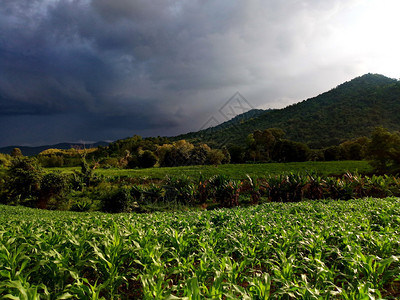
(234, 171)
(384, 150)
(307, 250)
(25, 183)
(5, 160)
(292, 237)
(351, 110)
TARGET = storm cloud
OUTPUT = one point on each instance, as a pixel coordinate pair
(75, 70)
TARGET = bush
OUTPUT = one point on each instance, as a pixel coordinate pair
(147, 159)
(118, 201)
(22, 180)
(52, 161)
(226, 191)
(5, 160)
(52, 186)
(179, 189)
(384, 150)
(82, 205)
(215, 157)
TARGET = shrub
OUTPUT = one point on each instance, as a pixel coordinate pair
(118, 201)
(226, 191)
(52, 185)
(82, 205)
(52, 161)
(215, 157)
(22, 181)
(384, 150)
(5, 160)
(252, 186)
(147, 159)
(153, 193)
(180, 189)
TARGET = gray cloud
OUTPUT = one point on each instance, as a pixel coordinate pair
(116, 68)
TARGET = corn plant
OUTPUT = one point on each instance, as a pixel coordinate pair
(298, 250)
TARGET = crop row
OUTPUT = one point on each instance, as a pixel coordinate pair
(312, 250)
(26, 183)
(222, 191)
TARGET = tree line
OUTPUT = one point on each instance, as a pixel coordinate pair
(269, 145)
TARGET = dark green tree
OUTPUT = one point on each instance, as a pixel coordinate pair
(147, 159)
(23, 180)
(52, 185)
(384, 150)
(289, 151)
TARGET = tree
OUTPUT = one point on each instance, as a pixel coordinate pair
(288, 151)
(199, 154)
(52, 185)
(177, 154)
(23, 180)
(215, 157)
(227, 155)
(147, 159)
(237, 154)
(332, 153)
(384, 150)
(261, 144)
(354, 149)
(16, 152)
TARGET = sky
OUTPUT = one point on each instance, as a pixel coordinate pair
(92, 70)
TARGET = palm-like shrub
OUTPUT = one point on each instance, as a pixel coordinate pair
(226, 191)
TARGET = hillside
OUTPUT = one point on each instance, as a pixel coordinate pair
(30, 151)
(350, 110)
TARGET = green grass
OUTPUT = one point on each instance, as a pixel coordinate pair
(239, 171)
(307, 250)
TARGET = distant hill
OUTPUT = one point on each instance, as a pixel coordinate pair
(31, 151)
(251, 114)
(350, 110)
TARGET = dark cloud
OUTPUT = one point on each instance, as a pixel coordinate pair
(99, 69)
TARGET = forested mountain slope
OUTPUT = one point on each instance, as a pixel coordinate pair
(350, 110)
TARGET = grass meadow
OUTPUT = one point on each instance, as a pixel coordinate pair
(239, 171)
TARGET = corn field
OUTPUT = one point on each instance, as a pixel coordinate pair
(305, 250)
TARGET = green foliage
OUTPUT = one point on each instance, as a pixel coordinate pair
(51, 161)
(305, 250)
(225, 191)
(237, 154)
(354, 149)
(215, 157)
(384, 150)
(238, 171)
(52, 185)
(5, 160)
(118, 201)
(351, 110)
(289, 151)
(147, 159)
(22, 181)
(16, 152)
(199, 154)
(179, 189)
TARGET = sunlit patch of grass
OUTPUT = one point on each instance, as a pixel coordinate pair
(239, 171)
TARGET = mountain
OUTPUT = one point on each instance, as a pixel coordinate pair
(30, 151)
(350, 110)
